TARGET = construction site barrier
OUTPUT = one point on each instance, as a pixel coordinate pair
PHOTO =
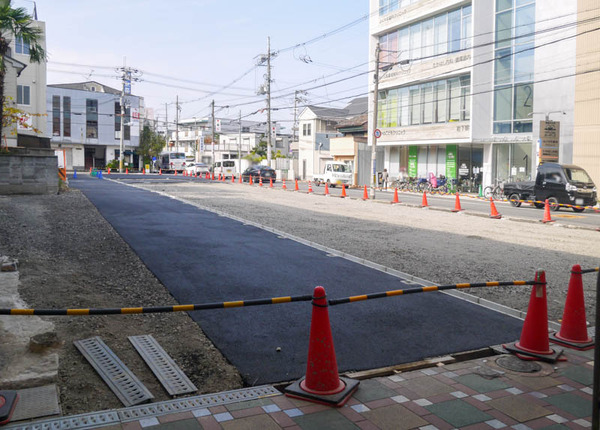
(253, 302)
(595, 269)
(427, 289)
(158, 309)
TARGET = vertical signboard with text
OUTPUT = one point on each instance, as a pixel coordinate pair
(413, 153)
(451, 157)
(549, 141)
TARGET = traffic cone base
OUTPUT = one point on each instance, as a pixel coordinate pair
(534, 340)
(322, 383)
(349, 386)
(8, 402)
(573, 331)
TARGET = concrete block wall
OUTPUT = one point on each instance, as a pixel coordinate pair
(28, 174)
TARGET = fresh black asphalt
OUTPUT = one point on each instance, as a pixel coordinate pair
(202, 257)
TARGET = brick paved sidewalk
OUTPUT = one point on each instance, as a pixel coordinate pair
(476, 394)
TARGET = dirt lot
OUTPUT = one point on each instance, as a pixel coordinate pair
(70, 257)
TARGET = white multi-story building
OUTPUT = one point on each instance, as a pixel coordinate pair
(84, 119)
(30, 96)
(463, 85)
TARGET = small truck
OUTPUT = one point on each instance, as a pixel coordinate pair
(560, 184)
(334, 173)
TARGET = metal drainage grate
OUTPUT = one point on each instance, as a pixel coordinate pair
(126, 386)
(163, 366)
(93, 420)
(190, 403)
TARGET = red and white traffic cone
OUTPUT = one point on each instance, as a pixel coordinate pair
(322, 383)
(534, 343)
(573, 330)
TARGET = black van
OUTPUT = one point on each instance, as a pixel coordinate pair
(564, 184)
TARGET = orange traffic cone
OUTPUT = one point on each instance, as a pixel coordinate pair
(127, 171)
(251, 183)
(283, 187)
(232, 179)
(424, 201)
(395, 200)
(547, 217)
(108, 171)
(175, 172)
(143, 171)
(322, 383)
(494, 213)
(365, 194)
(573, 331)
(90, 170)
(457, 207)
(260, 181)
(296, 187)
(326, 189)
(310, 190)
(240, 179)
(271, 183)
(212, 176)
(534, 343)
(159, 172)
(343, 191)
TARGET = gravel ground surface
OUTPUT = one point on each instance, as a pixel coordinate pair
(439, 246)
(70, 257)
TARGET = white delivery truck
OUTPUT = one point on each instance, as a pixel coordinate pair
(334, 173)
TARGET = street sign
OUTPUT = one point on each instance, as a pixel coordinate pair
(377, 133)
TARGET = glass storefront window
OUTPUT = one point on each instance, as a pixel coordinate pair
(511, 161)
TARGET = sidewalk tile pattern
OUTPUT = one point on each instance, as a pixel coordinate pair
(471, 395)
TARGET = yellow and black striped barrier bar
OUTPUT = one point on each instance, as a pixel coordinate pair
(158, 309)
(595, 269)
(393, 293)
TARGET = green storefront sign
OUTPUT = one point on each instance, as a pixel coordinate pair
(413, 152)
(451, 156)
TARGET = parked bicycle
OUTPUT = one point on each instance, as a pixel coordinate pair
(494, 191)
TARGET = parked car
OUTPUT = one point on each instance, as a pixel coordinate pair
(257, 172)
(197, 168)
(560, 184)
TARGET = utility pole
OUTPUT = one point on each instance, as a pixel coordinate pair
(240, 146)
(127, 75)
(122, 105)
(177, 122)
(269, 100)
(296, 100)
(213, 131)
(374, 139)
(167, 126)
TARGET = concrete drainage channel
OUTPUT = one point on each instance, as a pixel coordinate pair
(112, 417)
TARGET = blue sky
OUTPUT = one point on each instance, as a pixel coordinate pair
(203, 45)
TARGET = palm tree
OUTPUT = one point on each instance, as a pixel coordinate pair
(16, 22)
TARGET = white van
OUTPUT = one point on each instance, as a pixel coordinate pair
(224, 167)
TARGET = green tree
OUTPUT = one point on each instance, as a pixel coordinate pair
(151, 144)
(16, 22)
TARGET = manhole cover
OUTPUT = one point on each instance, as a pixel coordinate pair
(515, 364)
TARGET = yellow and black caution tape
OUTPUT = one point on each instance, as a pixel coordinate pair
(158, 309)
(258, 302)
(595, 269)
(393, 293)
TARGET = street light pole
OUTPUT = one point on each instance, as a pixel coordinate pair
(374, 139)
(269, 101)
(213, 132)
